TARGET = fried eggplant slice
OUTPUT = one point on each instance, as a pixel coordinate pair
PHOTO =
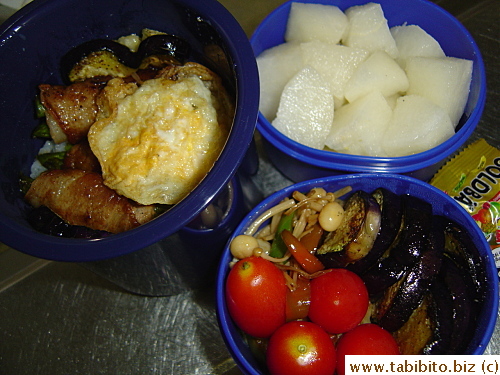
(417, 225)
(385, 273)
(355, 236)
(465, 306)
(418, 330)
(396, 307)
(460, 247)
(441, 314)
(390, 224)
(81, 198)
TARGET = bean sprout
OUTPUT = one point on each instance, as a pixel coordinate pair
(268, 214)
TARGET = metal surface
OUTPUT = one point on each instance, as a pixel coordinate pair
(61, 318)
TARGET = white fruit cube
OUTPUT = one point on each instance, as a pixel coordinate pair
(305, 112)
(276, 66)
(308, 22)
(358, 127)
(379, 72)
(368, 29)
(417, 125)
(412, 40)
(336, 63)
(445, 81)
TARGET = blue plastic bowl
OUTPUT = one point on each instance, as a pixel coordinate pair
(32, 43)
(299, 163)
(442, 205)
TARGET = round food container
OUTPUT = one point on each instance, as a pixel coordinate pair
(398, 184)
(34, 40)
(299, 162)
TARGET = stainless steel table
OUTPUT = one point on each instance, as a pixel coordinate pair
(61, 318)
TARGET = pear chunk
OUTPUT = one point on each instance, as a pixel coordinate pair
(358, 127)
(379, 72)
(445, 81)
(276, 66)
(368, 29)
(417, 125)
(305, 112)
(412, 40)
(306, 22)
(335, 62)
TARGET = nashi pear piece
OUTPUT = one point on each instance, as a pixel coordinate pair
(368, 29)
(305, 113)
(308, 22)
(412, 40)
(358, 127)
(445, 81)
(379, 72)
(276, 66)
(336, 63)
(417, 125)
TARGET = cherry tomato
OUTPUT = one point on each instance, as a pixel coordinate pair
(300, 348)
(256, 296)
(366, 339)
(339, 300)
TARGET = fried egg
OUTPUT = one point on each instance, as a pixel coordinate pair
(157, 140)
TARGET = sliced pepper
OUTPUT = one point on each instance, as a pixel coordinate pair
(278, 248)
(42, 130)
(312, 239)
(309, 262)
(39, 108)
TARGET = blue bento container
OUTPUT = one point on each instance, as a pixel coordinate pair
(298, 162)
(442, 204)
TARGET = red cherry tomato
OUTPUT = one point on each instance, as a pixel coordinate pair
(300, 348)
(369, 339)
(256, 296)
(339, 300)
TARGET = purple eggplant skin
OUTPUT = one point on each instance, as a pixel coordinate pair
(381, 276)
(417, 224)
(391, 215)
(460, 247)
(441, 314)
(463, 305)
(333, 251)
(416, 284)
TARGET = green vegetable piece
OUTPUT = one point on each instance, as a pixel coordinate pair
(24, 183)
(52, 160)
(278, 247)
(41, 131)
(39, 108)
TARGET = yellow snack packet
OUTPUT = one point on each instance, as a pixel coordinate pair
(472, 178)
